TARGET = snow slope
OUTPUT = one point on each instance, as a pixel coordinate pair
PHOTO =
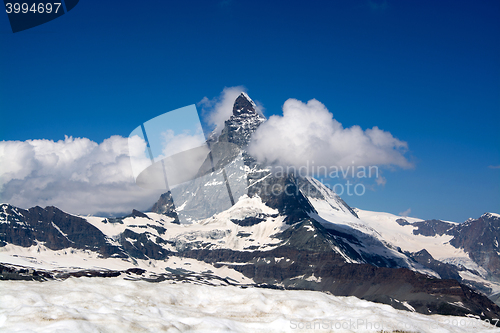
(382, 226)
(117, 305)
(402, 236)
(218, 231)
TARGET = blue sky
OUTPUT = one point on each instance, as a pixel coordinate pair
(428, 72)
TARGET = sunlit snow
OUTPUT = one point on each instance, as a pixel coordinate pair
(118, 305)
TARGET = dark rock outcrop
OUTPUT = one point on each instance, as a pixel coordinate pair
(54, 228)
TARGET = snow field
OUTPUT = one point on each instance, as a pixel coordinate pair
(117, 305)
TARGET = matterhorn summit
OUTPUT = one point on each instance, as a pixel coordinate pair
(243, 122)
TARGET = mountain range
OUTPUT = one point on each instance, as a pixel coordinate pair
(240, 223)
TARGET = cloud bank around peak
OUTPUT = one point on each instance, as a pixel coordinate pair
(308, 134)
(217, 110)
(76, 175)
(81, 176)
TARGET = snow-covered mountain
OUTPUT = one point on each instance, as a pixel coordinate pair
(231, 226)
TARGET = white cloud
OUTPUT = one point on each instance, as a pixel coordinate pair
(174, 143)
(75, 174)
(219, 109)
(405, 213)
(308, 134)
(494, 166)
(381, 181)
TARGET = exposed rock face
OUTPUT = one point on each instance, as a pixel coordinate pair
(54, 228)
(281, 193)
(477, 237)
(243, 122)
(165, 205)
(402, 222)
(445, 271)
(432, 228)
(480, 238)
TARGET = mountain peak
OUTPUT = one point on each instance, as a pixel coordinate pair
(242, 123)
(490, 215)
(244, 104)
(245, 95)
